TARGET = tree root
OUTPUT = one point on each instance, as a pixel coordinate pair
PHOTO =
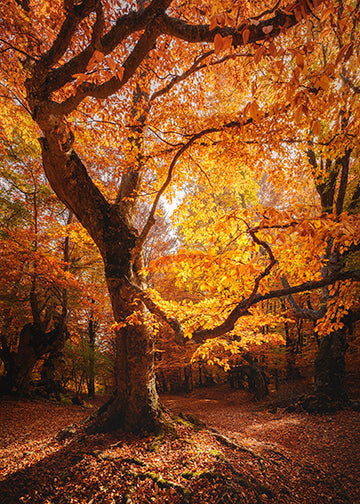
(154, 446)
(189, 420)
(251, 483)
(161, 483)
(231, 444)
(197, 424)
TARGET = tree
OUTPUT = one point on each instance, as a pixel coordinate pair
(326, 120)
(56, 61)
(307, 87)
(33, 299)
(43, 268)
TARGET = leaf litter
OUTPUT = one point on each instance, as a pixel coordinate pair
(244, 454)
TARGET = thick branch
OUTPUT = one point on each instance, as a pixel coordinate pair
(136, 21)
(242, 308)
(201, 33)
(125, 26)
(25, 4)
(298, 310)
(69, 179)
(75, 14)
(101, 91)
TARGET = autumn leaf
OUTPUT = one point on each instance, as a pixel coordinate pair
(344, 53)
(218, 43)
(245, 35)
(227, 42)
(259, 54)
(267, 29)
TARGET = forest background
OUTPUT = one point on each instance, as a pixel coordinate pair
(244, 116)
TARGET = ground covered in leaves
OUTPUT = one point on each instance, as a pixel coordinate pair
(246, 453)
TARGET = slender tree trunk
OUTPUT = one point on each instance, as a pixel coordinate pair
(91, 377)
(56, 356)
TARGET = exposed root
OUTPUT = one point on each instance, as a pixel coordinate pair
(67, 433)
(253, 483)
(154, 446)
(187, 419)
(232, 486)
(161, 482)
(231, 444)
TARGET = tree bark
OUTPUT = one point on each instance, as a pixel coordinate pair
(134, 406)
(258, 383)
(49, 382)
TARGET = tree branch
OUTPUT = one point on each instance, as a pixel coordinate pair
(11, 46)
(195, 67)
(75, 14)
(124, 26)
(172, 322)
(136, 21)
(283, 19)
(151, 219)
(101, 91)
(344, 162)
(179, 78)
(242, 308)
(298, 310)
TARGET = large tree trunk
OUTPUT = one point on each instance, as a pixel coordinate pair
(49, 382)
(329, 376)
(33, 344)
(329, 369)
(134, 405)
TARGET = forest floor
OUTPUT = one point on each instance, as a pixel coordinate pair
(247, 453)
